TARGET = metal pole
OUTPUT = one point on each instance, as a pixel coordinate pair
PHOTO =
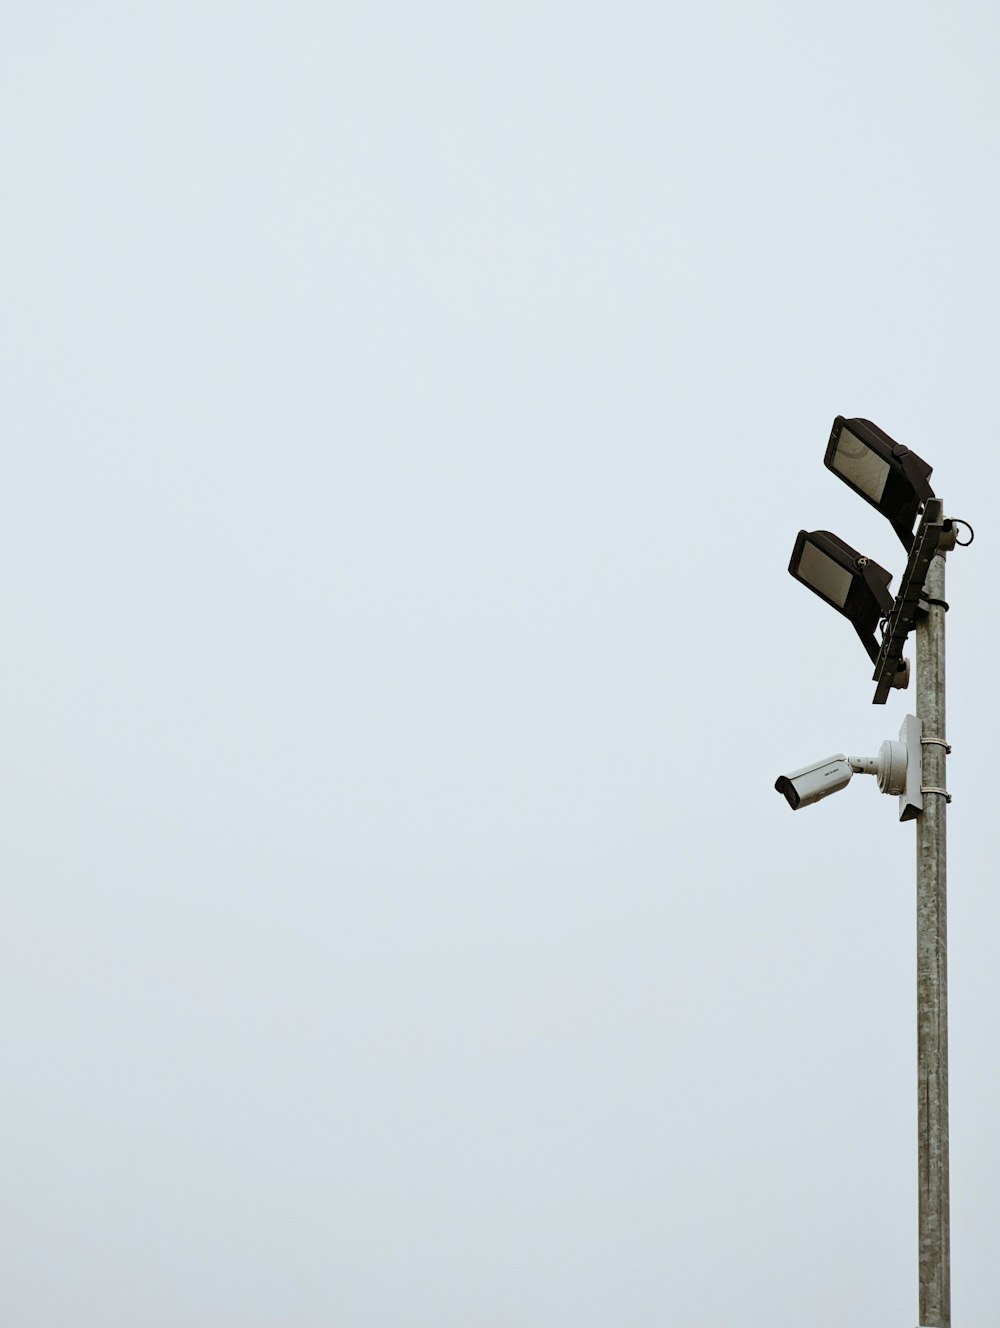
(932, 965)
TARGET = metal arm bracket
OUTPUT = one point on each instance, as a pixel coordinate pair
(911, 591)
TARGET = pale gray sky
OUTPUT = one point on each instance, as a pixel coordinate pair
(410, 412)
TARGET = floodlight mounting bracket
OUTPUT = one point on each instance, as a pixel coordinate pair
(932, 532)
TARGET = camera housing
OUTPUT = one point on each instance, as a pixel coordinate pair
(898, 769)
(815, 781)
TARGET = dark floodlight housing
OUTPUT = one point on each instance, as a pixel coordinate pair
(882, 471)
(849, 582)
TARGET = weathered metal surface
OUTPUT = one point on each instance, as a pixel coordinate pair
(932, 965)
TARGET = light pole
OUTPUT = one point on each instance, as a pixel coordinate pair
(897, 482)
(932, 962)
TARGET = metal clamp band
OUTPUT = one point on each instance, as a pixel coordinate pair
(943, 792)
(936, 742)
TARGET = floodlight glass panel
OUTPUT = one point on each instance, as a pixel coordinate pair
(862, 468)
(820, 573)
(853, 585)
(885, 473)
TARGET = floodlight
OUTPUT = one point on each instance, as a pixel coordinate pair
(884, 472)
(852, 584)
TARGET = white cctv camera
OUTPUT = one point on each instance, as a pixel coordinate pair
(818, 780)
(897, 768)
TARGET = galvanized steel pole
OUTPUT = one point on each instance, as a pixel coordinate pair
(932, 964)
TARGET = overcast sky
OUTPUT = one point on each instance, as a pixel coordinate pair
(410, 409)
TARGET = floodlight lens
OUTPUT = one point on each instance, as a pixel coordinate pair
(855, 462)
(886, 474)
(823, 575)
(853, 585)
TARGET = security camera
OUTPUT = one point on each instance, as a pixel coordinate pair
(897, 769)
(818, 780)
